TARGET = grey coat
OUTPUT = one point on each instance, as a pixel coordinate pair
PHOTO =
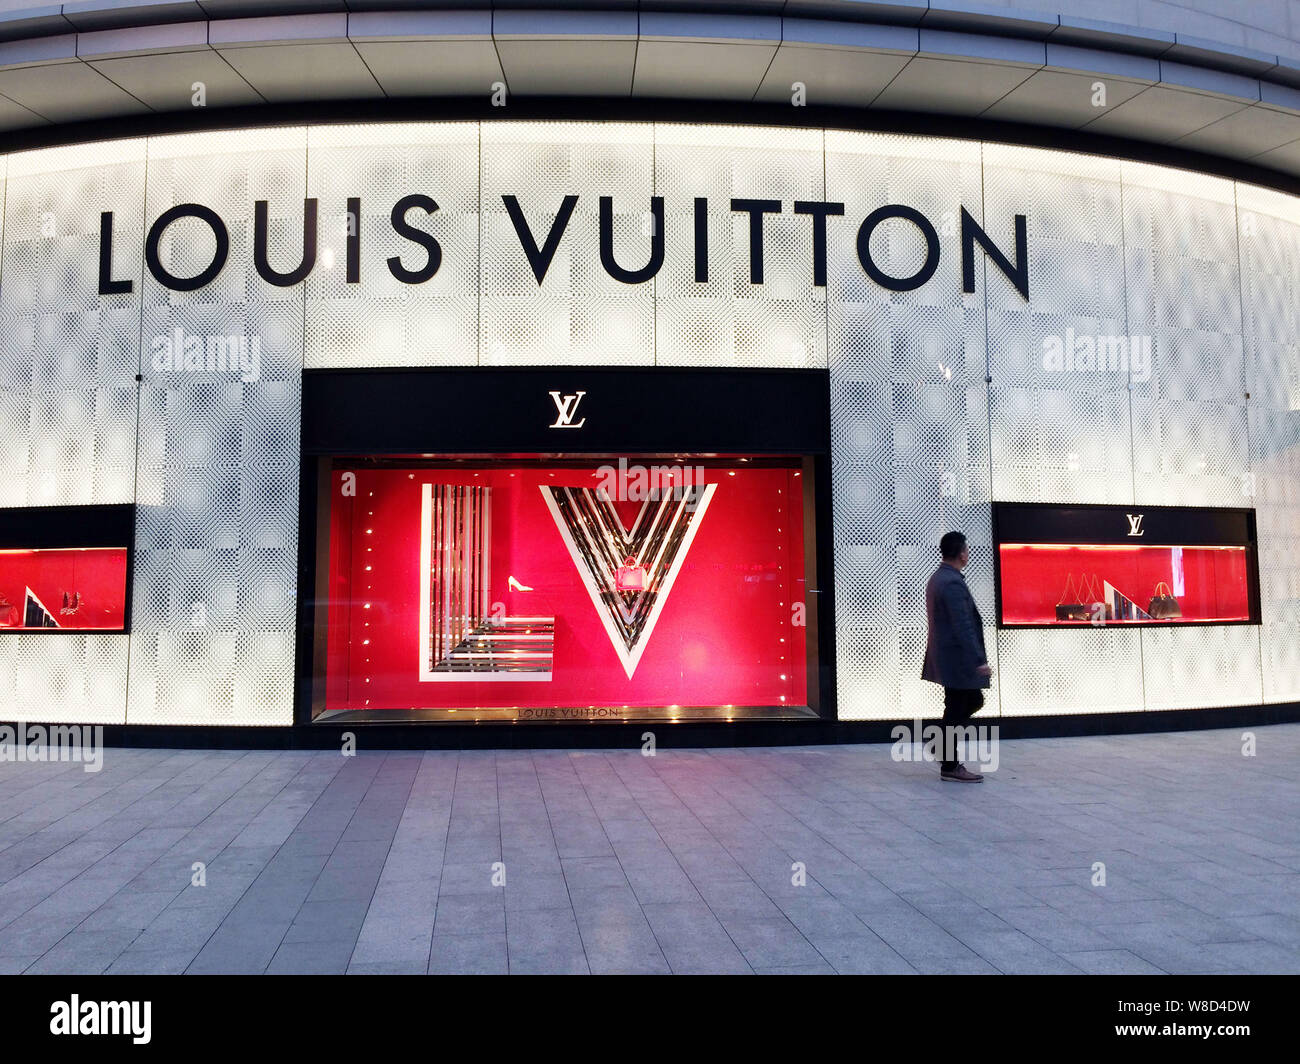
(954, 648)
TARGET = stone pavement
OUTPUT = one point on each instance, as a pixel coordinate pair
(615, 862)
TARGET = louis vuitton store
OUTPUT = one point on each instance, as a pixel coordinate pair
(529, 422)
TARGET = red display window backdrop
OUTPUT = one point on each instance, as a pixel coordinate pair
(93, 579)
(1214, 584)
(729, 633)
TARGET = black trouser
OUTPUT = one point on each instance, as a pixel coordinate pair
(959, 705)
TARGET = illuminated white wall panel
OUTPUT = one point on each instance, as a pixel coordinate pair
(1046, 672)
(1189, 419)
(726, 320)
(69, 356)
(68, 360)
(908, 412)
(217, 504)
(1268, 233)
(1060, 423)
(578, 314)
(1061, 432)
(941, 400)
(1214, 665)
(382, 321)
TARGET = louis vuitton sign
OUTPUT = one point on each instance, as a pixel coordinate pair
(539, 239)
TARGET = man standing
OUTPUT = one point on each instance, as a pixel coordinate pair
(954, 650)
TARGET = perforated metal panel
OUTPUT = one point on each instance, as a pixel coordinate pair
(1268, 229)
(79, 678)
(578, 314)
(1059, 415)
(1060, 423)
(67, 393)
(727, 320)
(380, 320)
(1189, 419)
(68, 359)
(1201, 666)
(1048, 672)
(217, 517)
(908, 414)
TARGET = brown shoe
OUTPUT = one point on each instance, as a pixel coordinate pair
(960, 774)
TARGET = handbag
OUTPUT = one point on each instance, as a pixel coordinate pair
(1068, 608)
(1097, 597)
(629, 576)
(1089, 595)
(1164, 606)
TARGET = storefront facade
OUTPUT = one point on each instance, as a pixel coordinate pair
(340, 421)
(533, 328)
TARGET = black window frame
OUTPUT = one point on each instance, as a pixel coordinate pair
(504, 411)
(96, 525)
(1106, 524)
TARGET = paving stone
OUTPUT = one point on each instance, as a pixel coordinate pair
(470, 913)
(311, 958)
(477, 954)
(1111, 962)
(545, 941)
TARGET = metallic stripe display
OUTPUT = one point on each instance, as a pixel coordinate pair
(458, 639)
(658, 542)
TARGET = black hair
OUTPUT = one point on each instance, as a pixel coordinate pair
(951, 545)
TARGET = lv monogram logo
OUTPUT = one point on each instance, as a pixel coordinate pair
(1135, 524)
(566, 406)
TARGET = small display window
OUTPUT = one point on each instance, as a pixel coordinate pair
(65, 568)
(1094, 565)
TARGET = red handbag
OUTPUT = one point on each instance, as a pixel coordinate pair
(629, 576)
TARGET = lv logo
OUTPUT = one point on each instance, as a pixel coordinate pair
(566, 406)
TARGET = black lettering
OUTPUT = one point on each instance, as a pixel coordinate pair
(898, 284)
(354, 240)
(107, 286)
(261, 238)
(819, 212)
(607, 243)
(219, 256)
(701, 240)
(405, 229)
(971, 233)
(756, 208)
(540, 258)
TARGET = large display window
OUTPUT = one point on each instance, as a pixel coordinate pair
(1093, 565)
(554, 587)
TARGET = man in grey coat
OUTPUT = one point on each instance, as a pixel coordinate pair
(954, 650)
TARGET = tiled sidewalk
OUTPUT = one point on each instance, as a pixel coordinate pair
(615, 862)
